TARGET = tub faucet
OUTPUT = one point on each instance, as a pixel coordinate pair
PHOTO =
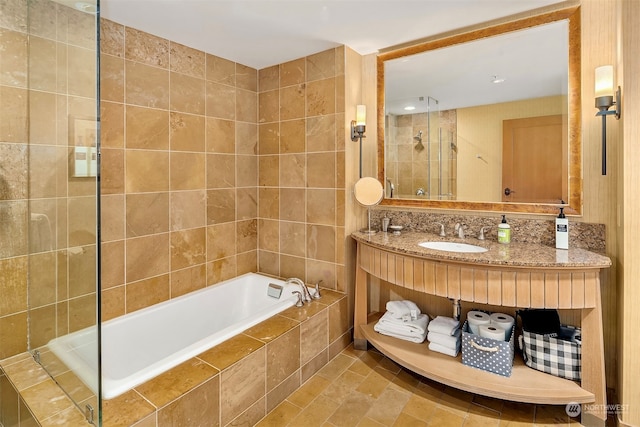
(306, 296)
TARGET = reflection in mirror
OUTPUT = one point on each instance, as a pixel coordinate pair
(488, 119)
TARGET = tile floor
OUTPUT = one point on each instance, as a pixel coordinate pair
(364, 388)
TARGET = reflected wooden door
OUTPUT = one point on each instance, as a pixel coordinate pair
(534, 160)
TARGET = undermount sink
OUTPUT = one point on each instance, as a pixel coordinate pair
(453, 247)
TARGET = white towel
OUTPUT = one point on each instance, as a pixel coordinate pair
(444, 350)
(403, 308)
(414, 330)
(449, 341)
(444, 325)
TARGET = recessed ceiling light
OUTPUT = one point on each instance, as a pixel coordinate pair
(87, 7)
(496, 79)
(409, 108)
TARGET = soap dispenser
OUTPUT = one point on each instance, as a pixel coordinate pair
(562, 231)
(504, 231)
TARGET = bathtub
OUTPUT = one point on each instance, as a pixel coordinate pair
(141, 345)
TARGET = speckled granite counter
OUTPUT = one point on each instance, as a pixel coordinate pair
(514, 254)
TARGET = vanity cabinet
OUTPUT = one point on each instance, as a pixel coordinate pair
(495, 279)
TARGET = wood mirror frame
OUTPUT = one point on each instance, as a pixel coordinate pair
(574, 205)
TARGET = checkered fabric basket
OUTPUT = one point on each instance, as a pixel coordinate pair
(551, 355)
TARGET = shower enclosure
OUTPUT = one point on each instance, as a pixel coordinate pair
(421, 153)
(49, 185)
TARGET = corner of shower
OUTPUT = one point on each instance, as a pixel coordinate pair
(63, 201)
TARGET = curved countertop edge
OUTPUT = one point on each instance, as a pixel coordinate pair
(514, 254)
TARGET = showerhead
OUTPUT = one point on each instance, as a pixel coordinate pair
(418, 137)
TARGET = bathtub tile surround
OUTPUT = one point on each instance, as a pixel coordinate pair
(582, 235)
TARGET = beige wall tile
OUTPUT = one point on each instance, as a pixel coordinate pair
(220, 101)
(13, 236)
(111, 78)
(147, 213)
(321, 133)
(81, 69)
(13, 108)
(187, 94)
(246, 171)
(113, 303)
(13, 69)
(291, 266)
(321, 170)
(247, 262)
(187, 171)
(338, 319)
(242, 385)
(198, 407)
(269, 262)
(220, 136)
(112, 222)
(14, 171)
(188, 247)
(269, 169)
(314, 336)
(268, 237)
(221, 206)
(220, 70)
(321, 206)
(146, 48)
(111, 38)
(269, 203)
(293, 204)
(280, 392)
(283, 357)
(293, 72)
(111, 125)
(42, 322)
(247, 235)
(246, 106)
(188, 209)
(321, 243)
(82, 270)
(293, 238)
(292, 137)
(269, 137)
(247, 138)
(42, 64)
(247, 203)
(321, 97)
(146, 86)
(125, 409)
(186, 60)
(146, 170)
(292, 102)
(147, 256)
(112, 255)
(221, 241)
(292, 170)
(42, 278)
(188, 280)
(246, 78)
(268, 106)
(321, 65)
(231, 351)
(13, 334)
(42, 113)
(221, 269)
(147, 292)
(317, 270)
(13, 286)
(147, 128)
(187, 132)
(82, 313)
(82, 221)
(221, 170)
(268, 78)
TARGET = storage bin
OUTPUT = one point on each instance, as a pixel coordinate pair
(490, 355)
(555, 356)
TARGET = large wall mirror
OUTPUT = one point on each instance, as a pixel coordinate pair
(488, 119)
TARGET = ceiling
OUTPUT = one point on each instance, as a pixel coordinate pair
(261, 33)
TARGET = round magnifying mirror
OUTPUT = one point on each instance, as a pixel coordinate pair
(368, 191)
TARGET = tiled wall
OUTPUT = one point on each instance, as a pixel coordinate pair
(301, 183)
(212, 169)
(179, 196)
(47, 79)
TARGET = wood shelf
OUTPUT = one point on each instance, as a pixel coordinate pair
(524, 385)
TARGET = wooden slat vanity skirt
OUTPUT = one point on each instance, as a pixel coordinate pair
(493, 278)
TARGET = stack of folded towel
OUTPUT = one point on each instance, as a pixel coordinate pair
(444, 335)
(403, 320)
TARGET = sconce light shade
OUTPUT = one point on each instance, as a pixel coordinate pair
(358, 128)
(605, 99)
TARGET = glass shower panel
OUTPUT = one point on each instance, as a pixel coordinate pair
(434, 166)
(63, 202)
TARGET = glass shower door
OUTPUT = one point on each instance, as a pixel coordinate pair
(63, 201)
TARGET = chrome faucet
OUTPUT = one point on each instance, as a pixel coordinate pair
(306, 296)
(460, 229)
(481, 233)
(442, 232)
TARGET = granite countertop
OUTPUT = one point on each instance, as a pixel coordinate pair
(514, 254)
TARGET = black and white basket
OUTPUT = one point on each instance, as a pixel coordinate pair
(490, 355)
(554, 356)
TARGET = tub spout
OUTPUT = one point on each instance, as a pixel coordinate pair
(306, 296)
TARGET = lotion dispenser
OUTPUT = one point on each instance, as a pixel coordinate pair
(562, 231)
(504, 231)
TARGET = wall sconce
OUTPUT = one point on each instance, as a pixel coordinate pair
(604, 101)
(358, 127)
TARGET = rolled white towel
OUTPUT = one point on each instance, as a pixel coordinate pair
(444, 350)
(444, 325)
(449, 341)
(403, 308)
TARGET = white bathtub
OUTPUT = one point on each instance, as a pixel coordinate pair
(138, 346)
